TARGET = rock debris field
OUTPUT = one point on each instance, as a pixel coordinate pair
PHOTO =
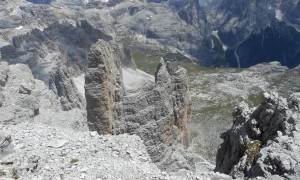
(41, 152)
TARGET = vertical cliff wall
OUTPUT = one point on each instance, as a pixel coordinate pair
(104, 91)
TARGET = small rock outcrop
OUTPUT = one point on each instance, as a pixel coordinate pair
(63, 86)
(4, 70)
(159, 112)
(17, 102)
(263, 141)
(3, 73)
(5, 143)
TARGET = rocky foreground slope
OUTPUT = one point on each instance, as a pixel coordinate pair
(38, 151)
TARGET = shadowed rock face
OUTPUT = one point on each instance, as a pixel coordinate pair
(278, 41)
(263, 141)
(159, 112)
(258, 31)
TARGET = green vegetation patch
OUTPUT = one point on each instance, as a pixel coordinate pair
(145, 61)
(73, 161)
(222, 110)
(253, 149)
(255, 100)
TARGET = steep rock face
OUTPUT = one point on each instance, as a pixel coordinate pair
(263, 141)
(159, 112)
(104, 90)
(67, 2)
(192, 30)
(160, 115)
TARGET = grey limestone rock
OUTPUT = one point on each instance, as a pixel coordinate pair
(47, 152)
(2, 99)
(6, 146)
(263, 141)
(62, 84)
(159, 113)
(16, 101)
(104, 89)
(25, 89)
(3, 73)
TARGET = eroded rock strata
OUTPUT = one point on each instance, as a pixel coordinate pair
(159, 112)
(104, 89)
